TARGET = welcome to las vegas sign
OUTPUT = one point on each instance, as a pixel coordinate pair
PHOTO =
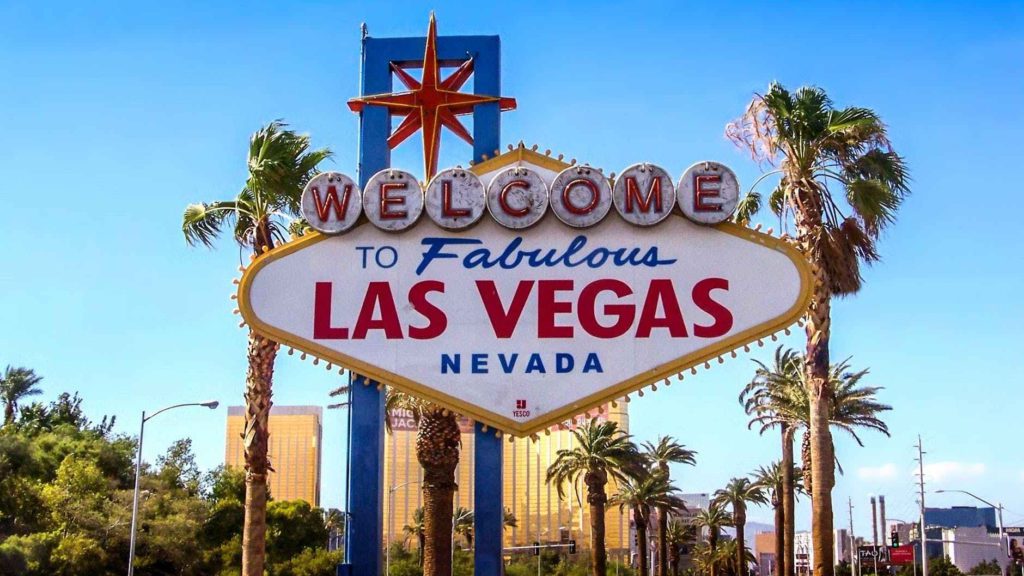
(524, 291)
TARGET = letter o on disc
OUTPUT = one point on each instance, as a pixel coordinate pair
(331, 202)
(517, 197)
(581, 196)
(643, 194)
(455, 199)
(708, 192)
(393, 200)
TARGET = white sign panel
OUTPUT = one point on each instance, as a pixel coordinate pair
(521, 329)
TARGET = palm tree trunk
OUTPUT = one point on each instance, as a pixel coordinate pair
(8, 413)
(780, 522)
(437, 449)
(788, 504)
(662, 541)
(641, 541)
(713, 548)
(596, 498)
(740, 518)
(258, 392)
(820, 394)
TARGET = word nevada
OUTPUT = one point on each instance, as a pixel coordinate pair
(518, 197)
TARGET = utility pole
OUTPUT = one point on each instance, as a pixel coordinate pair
(920, 483)
(854, 556)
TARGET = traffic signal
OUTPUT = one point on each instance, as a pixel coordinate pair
(572, 546)
(536, 548)
(894, 538)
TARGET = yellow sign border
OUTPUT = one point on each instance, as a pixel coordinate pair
(563, 413)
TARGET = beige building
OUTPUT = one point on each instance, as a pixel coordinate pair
(540, 514)
(294, 450)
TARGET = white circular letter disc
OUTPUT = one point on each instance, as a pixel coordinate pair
(517, 197)
(580, 196)
(643, 194)
(455, 199)
(331, 202)
(393, 200)
(708, 192)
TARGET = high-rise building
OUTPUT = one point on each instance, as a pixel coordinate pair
(540, 514)
(294, 450)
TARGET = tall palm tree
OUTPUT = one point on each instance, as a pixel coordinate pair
(771, 399)
(842, 183)
(737, 493)
(602, 452)
(641, 493)
(17, 383)
(771, 479)
(280, 162)
(666, 451)
(712, 519)
(415, 528)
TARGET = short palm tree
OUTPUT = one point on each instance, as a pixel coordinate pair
(666, 451)
(415, 528)
(464, 524)
(640, 494)
(280, 163)
(602, 451)
(737, 493)
(712, 519)
(772, 479)
(772, 400)
(17, 383)
(679, 535)
(842, 183)
(728, 551)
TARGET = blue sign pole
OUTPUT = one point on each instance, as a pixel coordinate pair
(366, 437)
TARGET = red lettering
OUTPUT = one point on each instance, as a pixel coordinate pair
(436, 319)
(446, 202)
(548, 307)
(386, 200)
(322, 329)
(503, 198)
(633, 195)
(323, 207)
(567, 199)
(664, 292)
(503, 322)
(700, 193)
(721, 315)
(624, 313)
(378, 296)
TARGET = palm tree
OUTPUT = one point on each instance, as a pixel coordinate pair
(737, 493)
(17, 383)
(509, 519)
(464, 524)
(713, 519)
(642, 492)
(415, 528)
(280, 163)
(728, 551)
(771, 479)
(842, 184)
(660, 455)
(602, 452)
(771, 399)
(679, 534)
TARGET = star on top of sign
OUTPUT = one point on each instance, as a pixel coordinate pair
(430, 102)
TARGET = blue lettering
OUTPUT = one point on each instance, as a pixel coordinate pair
(592, 364)
(564, 363)
(434, 247)
(479, 363)
(451, 362)
(535, 364)
(508, 363)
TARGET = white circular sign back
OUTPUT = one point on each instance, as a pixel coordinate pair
(455, 199)
(393, 200)
(331, 202)
(517, 197)
(643, 194)
(580, 196)
(708, 192)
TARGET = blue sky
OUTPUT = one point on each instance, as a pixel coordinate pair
(115, 118)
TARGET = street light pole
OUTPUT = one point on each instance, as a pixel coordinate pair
(391, 527)
(998, 507)
(212, 404)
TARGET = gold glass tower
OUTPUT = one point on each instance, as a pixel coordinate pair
(294, 450)
(540, 514)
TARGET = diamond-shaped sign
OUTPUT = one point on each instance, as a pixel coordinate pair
(522, 329)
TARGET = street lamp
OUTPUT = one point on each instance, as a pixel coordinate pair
(212, 404)
(998, 507)
(391, 516)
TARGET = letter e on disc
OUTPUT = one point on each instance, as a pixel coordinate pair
(331, 202)
(708, 192)
(393, 200)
